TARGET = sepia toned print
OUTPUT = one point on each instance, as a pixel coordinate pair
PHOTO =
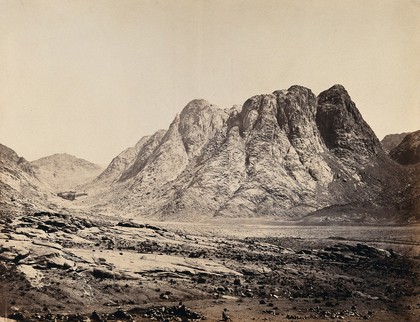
(248, 160)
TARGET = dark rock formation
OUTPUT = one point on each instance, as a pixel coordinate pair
(408, 151)
(342, 127)
(390, 141)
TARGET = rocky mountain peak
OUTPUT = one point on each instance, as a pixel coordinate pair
(64, 159)
(8, 154)
(342, 127)
(10, 158)
(161, 157)
(196, 106)
(283, 122)
(282, 154)
(198, 122)
(296, 116)
(336, 94)
(290, 110)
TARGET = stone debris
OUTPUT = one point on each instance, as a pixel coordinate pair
(125, 271)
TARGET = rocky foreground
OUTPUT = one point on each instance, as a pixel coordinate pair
(66, 268)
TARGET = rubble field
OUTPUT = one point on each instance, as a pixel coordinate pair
(62, 267)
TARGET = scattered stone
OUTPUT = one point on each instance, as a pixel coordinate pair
(102, 273)
(18, 316)
(130, 224)
(95, 317)
(121, 314)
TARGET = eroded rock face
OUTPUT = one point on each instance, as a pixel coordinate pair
(129, 162)
(283, 154)
(143, 151)
(390, 141)
(10, 158)
(408, 151)
(282, 151)
(342, 127)
(20, 189)
(198, 123)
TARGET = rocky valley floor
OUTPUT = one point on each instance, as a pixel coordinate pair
(60, 267)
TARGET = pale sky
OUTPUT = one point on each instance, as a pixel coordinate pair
(90, 78)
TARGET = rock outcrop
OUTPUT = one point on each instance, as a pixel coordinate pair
(408, 151)
(10, 158)
(284, 154)
(342, 127)
(20, 190)
(390, 141)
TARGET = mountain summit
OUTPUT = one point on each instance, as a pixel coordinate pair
(285, 154)
(63, 171)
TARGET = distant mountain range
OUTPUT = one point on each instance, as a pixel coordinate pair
(288, 155)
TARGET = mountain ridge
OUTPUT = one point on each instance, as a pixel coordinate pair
(390, 141)
(284, 154)
(288, 155)
(20, 189)
(408, 151)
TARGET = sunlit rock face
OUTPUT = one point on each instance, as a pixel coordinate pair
(284, 154)
(20, 189)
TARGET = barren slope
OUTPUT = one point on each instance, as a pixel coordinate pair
(408, 151)
(20, 190)
(284, 154)
(390, 141)
(64, 172)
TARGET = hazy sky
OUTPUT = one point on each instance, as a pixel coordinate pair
(90, 78)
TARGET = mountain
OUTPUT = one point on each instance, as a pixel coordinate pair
(156, 160)
(20, 190)
(286, 154)
(390, 141)
(408, 151)
(64, 172)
